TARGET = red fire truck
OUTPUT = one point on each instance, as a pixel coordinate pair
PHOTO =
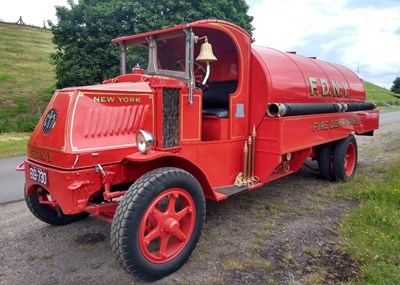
(208, 116)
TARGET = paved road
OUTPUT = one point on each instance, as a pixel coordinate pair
(388, 118)
(12, 182)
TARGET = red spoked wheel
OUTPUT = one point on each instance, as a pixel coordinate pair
(158, 223)
(350, 159)
(166, 225)
(345, 159)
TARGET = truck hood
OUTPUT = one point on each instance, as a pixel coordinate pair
(85, 123)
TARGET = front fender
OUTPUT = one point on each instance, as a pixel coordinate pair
(140, 157)
(177, 160)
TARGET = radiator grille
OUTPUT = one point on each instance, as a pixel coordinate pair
(114, 121)
(171, 117)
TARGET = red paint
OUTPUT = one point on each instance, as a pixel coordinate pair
(350, 159)
(164, 232)
(97, 125)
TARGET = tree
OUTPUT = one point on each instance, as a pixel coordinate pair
(84, 52)
(396, 86)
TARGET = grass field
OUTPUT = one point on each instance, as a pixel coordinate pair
(371, 233)
(26, 75)
(381, 96)
(13, 144)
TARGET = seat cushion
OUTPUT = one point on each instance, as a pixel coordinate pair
(219, 112)
(216, 98)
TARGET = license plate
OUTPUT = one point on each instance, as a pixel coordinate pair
(38, 174)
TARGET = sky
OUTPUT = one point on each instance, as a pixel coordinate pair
(363, 35)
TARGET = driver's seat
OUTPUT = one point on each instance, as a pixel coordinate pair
(216, 98)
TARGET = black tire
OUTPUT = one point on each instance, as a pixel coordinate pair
(48, 215)
(325, 163)
(134, 218)
(345, 159)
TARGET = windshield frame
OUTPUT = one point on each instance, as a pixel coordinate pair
(150, 41)
(153, 67)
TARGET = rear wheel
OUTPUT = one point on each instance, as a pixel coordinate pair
(345, 159)
(325, 162)
(47, 213)
(158, 223)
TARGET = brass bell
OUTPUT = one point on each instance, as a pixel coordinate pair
(206, 53)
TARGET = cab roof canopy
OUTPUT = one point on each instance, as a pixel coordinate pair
(212, 24)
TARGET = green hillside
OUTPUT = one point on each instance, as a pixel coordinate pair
(26, 75)
(380, 95)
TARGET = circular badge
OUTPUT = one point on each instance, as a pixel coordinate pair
(49, 121)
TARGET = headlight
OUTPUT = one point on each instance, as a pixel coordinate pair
(144, 141)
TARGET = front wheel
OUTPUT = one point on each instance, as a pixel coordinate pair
(158, 223)
(47, 213)
(345, 159)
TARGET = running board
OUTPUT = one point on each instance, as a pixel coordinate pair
(233, 190)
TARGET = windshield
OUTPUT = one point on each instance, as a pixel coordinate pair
(171, 54)
(165, 54)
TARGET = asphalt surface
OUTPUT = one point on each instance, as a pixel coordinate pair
(13, 181)
(388, 118)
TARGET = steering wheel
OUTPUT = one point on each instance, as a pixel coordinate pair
(199, 73)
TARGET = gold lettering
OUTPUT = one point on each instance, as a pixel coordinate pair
(321, 126)
(129, 99)
(346, 89)
(313, 86)
(103, 99)
(325, 87)
(42, 155)
(334, 124)
(336, 90)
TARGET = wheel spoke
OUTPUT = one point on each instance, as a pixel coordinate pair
(163, 246)
(171, 204)
(185, 211)
(157, 215)
(167, 225)
(155, 233)
(180, 235)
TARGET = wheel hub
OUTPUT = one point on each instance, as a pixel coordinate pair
(171, 226)
(167, 225)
